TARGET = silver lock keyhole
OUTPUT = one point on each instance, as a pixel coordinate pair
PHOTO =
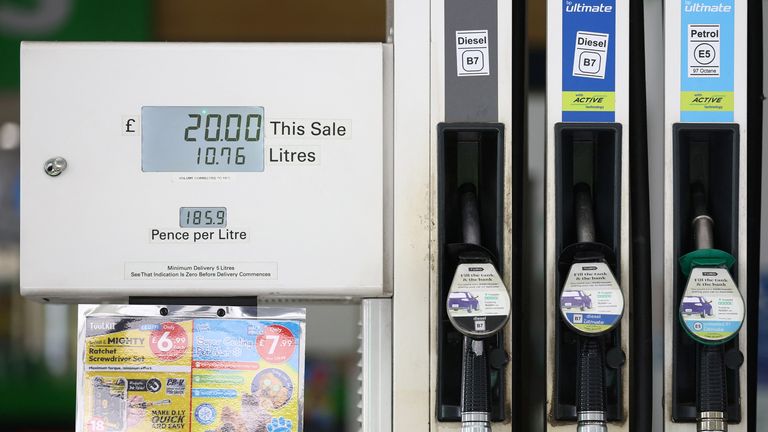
(55, 166)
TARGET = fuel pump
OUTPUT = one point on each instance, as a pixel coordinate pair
(478, 135)
(707, 267)
(183, 181)
(587, 208)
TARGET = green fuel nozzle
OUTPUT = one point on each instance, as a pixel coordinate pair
(711, 312)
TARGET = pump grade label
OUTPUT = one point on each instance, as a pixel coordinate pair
(712, 309)
(478, 301)
(706, 62)
(591, 301)
(589, 83)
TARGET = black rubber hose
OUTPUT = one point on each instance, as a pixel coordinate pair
(711, 394)
(641, 339)
(475, 378)
(590, 370)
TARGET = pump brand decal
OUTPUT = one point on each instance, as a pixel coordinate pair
(591, 300)
(711, 308)
(589, 28)
(707, 50)
(146, 374)
(478, 299)
(201, 271)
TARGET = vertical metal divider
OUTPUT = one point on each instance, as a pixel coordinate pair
(755, 101)
(641, 339)
(412, 159)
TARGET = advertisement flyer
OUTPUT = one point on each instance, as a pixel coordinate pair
(142, 373)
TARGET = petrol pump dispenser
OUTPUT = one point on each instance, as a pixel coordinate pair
(478, 130)
(706, 226)
(226, 175)
(180, 174)
(587, 210)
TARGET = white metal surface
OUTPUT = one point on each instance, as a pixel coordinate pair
(554, 115)
(377, 365)
(672, 55)
(317, 229)
(411, 321)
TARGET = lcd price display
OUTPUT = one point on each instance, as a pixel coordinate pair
(202, 139)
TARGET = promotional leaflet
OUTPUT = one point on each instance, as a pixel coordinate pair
(190, 371)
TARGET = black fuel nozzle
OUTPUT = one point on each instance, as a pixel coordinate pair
(590, 402)
(475, 378)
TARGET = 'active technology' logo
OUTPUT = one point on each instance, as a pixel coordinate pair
(586, 8)
(700, 7)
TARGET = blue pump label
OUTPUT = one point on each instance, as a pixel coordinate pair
(589, 43)
(706, 49)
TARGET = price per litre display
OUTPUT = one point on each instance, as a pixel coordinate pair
(202, 217)
(202, 139)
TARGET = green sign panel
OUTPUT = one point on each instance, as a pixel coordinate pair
(66, 20)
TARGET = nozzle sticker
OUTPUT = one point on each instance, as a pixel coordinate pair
(478, 301)
(712, 309)
(591, 301)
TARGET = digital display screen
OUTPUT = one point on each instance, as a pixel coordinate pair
(203, 217)
(202, 139)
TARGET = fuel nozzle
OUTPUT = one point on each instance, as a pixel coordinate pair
(478, 306)
(590, 406)
(710, 316)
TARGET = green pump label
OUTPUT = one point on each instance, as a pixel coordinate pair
(591, 301)
(712, 309)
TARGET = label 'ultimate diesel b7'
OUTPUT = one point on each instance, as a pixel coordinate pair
(589, 43)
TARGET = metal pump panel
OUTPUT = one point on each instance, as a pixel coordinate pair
(204, 170)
